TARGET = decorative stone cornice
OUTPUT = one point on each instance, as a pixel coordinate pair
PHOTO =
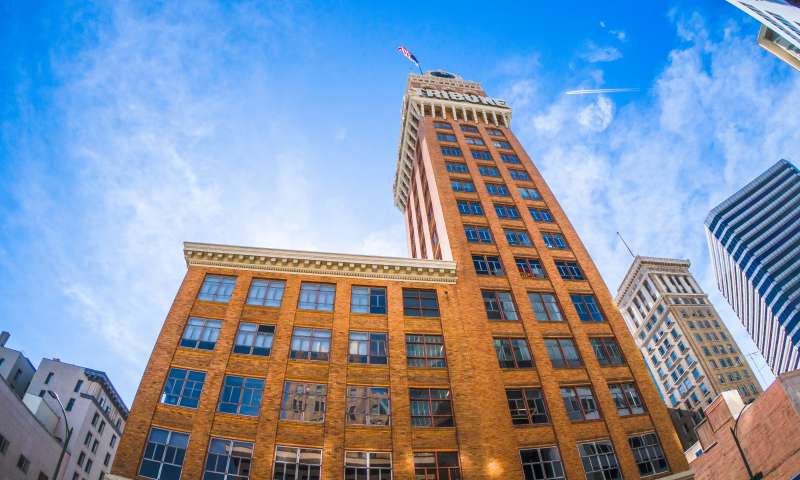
(662, 264)
(319, 263)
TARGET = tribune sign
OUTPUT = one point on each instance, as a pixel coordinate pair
(460, 97)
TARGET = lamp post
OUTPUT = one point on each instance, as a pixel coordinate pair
(750, 476)
(68, 432)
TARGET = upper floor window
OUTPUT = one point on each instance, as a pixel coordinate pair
(545, 307)
(451, 152)
(478, 234)
(419, 302)
(562, 352)
(580, 403)
(481, 155)
(487, 265)
(267, 293)
(310, 344)
(317, 296)
(599, 460)
(304, 402)
(494, 132)
(509, 158)
(364, 465)
(368, 300)
(488, 171)
(469, 128)
(254, 339)
(241, 395)
(228, 460)
(648, 454)
(607, 351)
(164, 454)
(436, 466)
(474, 141)
(527, 406)
(529, 193)
(426, 351)
(368, 405)
(626, 398)
(217, 288)
(183, 387)
(499, 305)
(543, 463)
(497, 189)
(506, 211)
(586, 306)
(517, 238)
(500, 144)
(293, 463)
(554, 240)
(201, 333)
(513, 353)
(456, 167)
(368, 348)
(569, 270)
(469, 208)
(519, 174)
(431, 407)
(462, 186)
(442, 125)
(445, 137)
(541, 215)
(530, 267)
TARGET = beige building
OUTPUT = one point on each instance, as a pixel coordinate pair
(691, 354)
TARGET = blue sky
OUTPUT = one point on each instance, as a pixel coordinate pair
(126, 129)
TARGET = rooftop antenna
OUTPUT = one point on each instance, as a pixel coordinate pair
(626, 245)
(753, 356)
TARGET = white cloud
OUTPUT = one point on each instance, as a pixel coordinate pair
(594, 53)
(598, 115)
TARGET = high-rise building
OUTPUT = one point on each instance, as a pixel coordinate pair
(754, 241)
(495, 352)
(685, 344)
(780, 26)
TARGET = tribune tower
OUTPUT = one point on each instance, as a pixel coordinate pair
(495, 352)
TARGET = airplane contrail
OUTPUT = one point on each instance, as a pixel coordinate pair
(600, 90)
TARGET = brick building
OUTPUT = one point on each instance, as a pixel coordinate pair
(494, 352)
(767, 431)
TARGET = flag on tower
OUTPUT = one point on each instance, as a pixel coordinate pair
(409, 56)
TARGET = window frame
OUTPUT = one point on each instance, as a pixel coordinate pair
(478, 234)
(648, 448)
(375, 306)
(299, 453)
(555, 241)
(517, 238)
(205, 330)
(563, 361)
(606, 360)
(370, 399)
(431, 415)
(368, 470)
(270, 299)
(580, 403)
(549, 473)
(503, 346)
(369, 358)
(439, 471)
(606, 465)
(420, 310)
(539, 410)
(234, 459)
(493, 264)
(189, 392)
(249, 395)
(426, 359)
(569, 270)
(305, 398)
(224, 284)
(315, 292)
(588, 316)
(526, 261)
(492, 302)
(258, 339)
(177, 454)
(315, 337)
(627, 402)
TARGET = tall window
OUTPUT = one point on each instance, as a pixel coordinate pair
(517, 238)
(554, 240)
(541, 215)
(368, 300)
(436, 466)
(304, 402)
(599, 460)
(201, 333)
(183, 387)
(586, 306)
(513, 353)
(462, 186)
(420, 303)
(453, 167)
(497, 189)
(268, 293)
(648, 454)
(528, 193)
(545, 307)
(488, 171)
(542, 463)
(519, 174)
(293, 463)
(469, 208)
(499, 305)
(607, 351)
(163, 454)
(477, 234)
(368, 405)
(368, 348)
(425, 351)
(310, 344)
(526, 406)
(228, 460)
(367, 465)
(431, 407)
(241, 395)
(562, 352)
(254, 339)
(481, 155)
(317, 296)
(445, 137)
(626, 398)
(217, 288)
(451, 152)
(469, 128)
(506, 211)
(569, 270)
(509, 158)
(487, 265)
(580, 403)
(529, 267)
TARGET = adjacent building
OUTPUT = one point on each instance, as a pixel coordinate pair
(780, 26)
(685, 344)
(495, 352)
(15, 368)
(754, 242)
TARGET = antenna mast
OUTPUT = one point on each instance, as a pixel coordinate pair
(626, 245)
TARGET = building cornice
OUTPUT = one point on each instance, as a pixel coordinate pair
(319, 263)
(640, 262)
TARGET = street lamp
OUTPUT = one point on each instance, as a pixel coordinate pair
(750, 476)
(68, 431)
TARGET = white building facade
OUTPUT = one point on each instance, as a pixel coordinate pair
(780, 26)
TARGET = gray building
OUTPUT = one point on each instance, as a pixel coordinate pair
(15, 368)
(754, 242)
